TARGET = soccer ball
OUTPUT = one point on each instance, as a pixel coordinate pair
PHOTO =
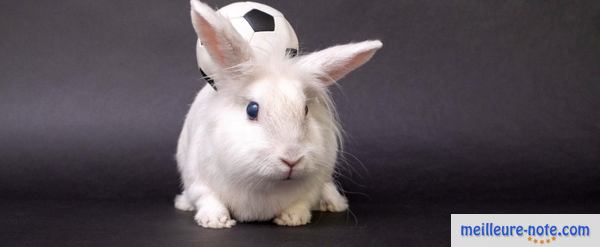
(264, 27)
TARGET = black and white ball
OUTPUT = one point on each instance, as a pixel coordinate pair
(264, 27)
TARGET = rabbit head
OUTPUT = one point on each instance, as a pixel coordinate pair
(272, 117)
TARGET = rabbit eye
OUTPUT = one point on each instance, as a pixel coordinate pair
(305, 110)
(252, 110)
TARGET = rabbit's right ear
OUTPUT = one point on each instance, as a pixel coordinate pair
(223, 43)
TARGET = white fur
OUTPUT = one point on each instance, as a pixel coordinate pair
(231, 166)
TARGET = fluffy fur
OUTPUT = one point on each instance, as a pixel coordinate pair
(231, 166)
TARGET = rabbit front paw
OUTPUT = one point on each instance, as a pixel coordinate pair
(211, 218)
(183, 204)
(332, 200)
(295, 216)
(337, 205)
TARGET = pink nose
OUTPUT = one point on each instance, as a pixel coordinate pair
(291, 163)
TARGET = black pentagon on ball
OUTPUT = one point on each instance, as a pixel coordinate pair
(260, 21)
(291, 52)
(207, 78)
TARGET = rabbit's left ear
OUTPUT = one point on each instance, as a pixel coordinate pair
(223, 43)
(335, 62)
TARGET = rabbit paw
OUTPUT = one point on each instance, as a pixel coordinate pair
(293, 217)
(332, 200)
(335, 204)
(214, 218)
(183, 204)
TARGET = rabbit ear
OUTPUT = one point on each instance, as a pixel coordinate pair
(335, 62)
(223, 43)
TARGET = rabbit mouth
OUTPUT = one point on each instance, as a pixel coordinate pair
(289, 175)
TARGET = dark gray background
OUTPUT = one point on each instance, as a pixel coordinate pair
(468, 101)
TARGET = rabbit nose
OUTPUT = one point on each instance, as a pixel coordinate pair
(291, 163)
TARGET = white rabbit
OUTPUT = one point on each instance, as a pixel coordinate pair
(263, 145)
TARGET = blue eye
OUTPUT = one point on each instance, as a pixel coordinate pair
(252, 110)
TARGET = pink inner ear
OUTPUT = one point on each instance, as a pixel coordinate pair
(209, 39)
(339, 71)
